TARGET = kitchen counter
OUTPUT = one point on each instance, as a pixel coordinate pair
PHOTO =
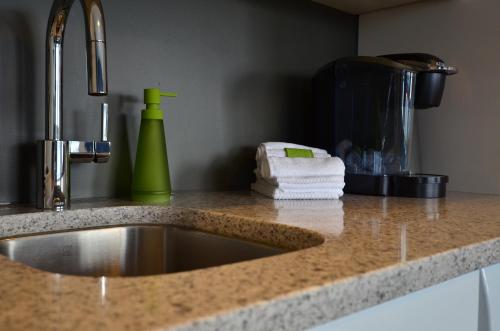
(366, 250)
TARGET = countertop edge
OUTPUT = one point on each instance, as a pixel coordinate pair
(317, 305)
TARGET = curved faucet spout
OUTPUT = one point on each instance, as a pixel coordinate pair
(96, 59)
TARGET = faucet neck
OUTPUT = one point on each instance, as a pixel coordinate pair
(96, 59)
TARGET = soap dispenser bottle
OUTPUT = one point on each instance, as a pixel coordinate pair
(151, 179)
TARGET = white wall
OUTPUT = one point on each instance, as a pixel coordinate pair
(461, 138)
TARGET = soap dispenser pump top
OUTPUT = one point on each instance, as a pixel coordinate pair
(152, 100)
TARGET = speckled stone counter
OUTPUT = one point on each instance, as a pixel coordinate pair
(354, 253)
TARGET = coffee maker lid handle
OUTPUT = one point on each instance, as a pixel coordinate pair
(449, 70)
(423, 62)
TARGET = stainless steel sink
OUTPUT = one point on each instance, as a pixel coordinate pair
(135, 250)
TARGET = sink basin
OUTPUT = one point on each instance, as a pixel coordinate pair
(133, 250)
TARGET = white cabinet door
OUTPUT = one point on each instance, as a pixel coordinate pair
(452, 305)
(490, 299)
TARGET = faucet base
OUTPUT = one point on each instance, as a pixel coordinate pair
(53, 190)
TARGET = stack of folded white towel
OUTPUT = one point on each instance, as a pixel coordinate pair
(282, 177)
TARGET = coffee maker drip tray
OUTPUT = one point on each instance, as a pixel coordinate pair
(414, 185)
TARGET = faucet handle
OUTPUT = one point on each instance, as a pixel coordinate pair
(104, 121)
(81, 151)
(103, 147)
(96, 151)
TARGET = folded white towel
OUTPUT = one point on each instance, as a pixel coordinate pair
(306, 206)
(306, 180)
(277, 149)
(309, 187)
(300, 167)
(305, 183)
(274, 192)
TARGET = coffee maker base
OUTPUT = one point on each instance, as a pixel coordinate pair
(411, 185)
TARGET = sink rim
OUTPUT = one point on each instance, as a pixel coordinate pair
(126, 225)
(288, 236)
(134, 236)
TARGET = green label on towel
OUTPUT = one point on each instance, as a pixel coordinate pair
(298, 152)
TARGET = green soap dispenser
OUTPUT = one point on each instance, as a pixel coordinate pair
(151, 180)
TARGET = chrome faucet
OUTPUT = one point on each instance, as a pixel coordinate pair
(55, 153)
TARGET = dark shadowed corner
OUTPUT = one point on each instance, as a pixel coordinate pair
(122, 165)
(17, 108)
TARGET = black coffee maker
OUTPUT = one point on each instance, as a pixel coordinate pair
(363, 113)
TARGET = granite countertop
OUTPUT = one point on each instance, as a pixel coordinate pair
(366, 250)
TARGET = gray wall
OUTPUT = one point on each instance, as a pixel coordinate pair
(242, 69)
(461, 138)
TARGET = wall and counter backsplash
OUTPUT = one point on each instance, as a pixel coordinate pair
(242, 69)
(461, 137)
